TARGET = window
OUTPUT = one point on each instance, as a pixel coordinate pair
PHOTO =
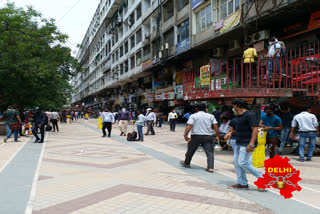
(168, 37)
(183, 31)
(146, 53)
(139, 36)
(204, 18)
(132, 41)
(121, 69)
(138, 56)
(132, 62)
(168, 10)
(121, 51)
(126, 66)
(126, 47)
(227, 7)
(139, 12)
(181, 4)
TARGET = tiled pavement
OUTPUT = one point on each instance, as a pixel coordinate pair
(83, 173)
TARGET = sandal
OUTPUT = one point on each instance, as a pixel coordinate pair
(209, 170)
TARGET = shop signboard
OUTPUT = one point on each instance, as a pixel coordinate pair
(158, 97)
(205, 75)
(179, 92)
(196, 3)
(149, 98)
(179, 76)
(146, 64)
(221, 83)
(183, 46)
(169, 95)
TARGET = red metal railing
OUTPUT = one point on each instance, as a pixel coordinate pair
(266, 77)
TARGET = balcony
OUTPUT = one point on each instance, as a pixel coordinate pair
(231, 78)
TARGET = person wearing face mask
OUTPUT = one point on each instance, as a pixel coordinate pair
(40, 120)
(246, 131)
(172, 119)
(123, 118)
(272, 124)
(274, 57)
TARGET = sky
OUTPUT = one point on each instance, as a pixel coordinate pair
(72, 16)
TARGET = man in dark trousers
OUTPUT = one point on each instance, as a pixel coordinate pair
(107, 120)
(40, 120)
(201, 125)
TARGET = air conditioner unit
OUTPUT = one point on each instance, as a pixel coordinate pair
(218, 52)
(147, 36)
(120, 19)
(234, 44)
(259, 36)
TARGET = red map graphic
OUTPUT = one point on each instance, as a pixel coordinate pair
(279, 169)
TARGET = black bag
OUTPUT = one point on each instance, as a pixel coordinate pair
(132, 136)
(48, 128)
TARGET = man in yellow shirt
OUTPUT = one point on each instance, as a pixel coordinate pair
(249, 62)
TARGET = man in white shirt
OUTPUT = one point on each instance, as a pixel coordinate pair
(273, 57)
(202, 125)
(151, 119)
(107, 120)
(172, 119)
(54, 120)
(308, 128)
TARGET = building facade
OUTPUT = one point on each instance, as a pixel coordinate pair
(172, 53)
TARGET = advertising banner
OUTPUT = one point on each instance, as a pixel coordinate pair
(205, 75)
(231, 21)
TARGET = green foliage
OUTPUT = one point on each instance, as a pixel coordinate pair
(35, 64)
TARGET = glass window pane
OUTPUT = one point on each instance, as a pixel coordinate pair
(237, 5)
(223, 11)
(230, 7)
(203, 24)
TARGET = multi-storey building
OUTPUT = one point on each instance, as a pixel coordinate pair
(165, 53)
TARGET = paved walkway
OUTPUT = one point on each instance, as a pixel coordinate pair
(77, 171)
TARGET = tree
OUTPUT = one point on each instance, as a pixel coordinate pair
(35, 64)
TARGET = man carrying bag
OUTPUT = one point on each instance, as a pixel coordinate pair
(13, 117)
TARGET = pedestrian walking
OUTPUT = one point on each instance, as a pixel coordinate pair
(172, 120)
(40, 120)
(76, 115)
(246, 130)
(123, 118)
(272, 124)
(308, 128)
(6, 119)
(54, 120)
(286, 118)
(151, 119)
(201, 125)
(216, 113)
(12, 118)
(107, 121)
(139, 122)
(232, 129)
(160, 118)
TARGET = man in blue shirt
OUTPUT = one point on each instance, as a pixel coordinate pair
(271, 123)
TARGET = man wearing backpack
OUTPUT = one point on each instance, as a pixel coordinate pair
(40, 120)
(274, 54)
